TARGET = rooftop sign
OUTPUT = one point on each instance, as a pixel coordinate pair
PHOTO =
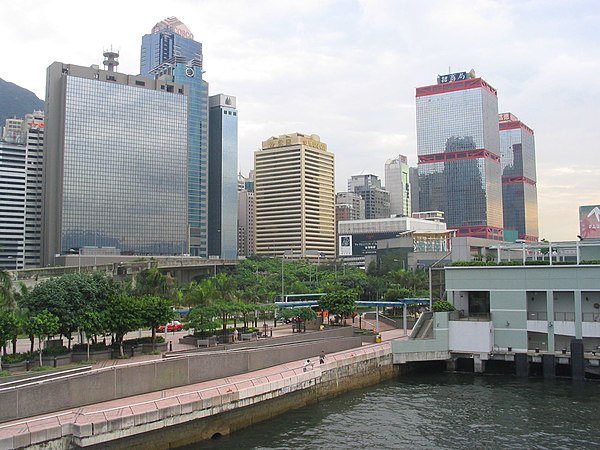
(589, 221)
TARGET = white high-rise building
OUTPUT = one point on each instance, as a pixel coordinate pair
(397, 183)
(21, 192)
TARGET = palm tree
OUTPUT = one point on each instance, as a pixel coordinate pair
(6, 289)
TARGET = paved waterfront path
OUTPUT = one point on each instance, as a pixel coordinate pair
(53, 425)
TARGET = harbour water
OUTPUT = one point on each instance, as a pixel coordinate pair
(441, 411)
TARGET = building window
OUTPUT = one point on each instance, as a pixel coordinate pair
(140, 83)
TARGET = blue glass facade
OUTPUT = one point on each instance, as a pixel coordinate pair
(123, 185)
(458, 151)
(223, 178)
(166, 53)
(519, 180)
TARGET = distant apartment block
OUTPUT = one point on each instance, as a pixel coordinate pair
(377, 199)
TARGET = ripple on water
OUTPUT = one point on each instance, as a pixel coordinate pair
(443, 411)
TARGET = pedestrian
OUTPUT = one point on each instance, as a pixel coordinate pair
(307, 365)
(235, 335)
(322, 357)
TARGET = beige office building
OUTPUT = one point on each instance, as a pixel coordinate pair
(295, 197)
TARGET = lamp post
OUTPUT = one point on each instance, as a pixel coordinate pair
(285, 253)
(522, 242)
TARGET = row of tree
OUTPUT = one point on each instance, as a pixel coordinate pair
(95, 304)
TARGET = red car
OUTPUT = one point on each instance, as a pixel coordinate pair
(171, 326)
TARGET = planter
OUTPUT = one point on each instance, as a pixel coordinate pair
(225, 339)
(58, 360)
(130, 350)
(97, 355)
(20, 366)
(160, 347)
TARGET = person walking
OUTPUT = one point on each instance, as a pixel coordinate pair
(322, 357)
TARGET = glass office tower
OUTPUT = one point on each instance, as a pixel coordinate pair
(169, 52)
(458, 148)
(222, 177)
(115, 164)
(519, 181)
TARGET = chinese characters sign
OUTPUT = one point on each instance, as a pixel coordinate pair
(458, 76)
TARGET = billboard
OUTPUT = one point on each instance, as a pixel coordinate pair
(364, 243)
(589, 222)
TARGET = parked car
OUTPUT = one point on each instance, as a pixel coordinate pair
(175, 325)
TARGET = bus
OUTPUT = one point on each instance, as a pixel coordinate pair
(296, 299)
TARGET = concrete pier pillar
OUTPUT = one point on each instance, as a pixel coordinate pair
(522, 364)
(478, 364)
(577, 360)
(451, 365)
(548, 363)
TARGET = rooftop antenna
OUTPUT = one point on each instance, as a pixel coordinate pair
(110, 59)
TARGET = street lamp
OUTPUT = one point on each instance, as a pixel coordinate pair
(522, 242)
(285, 253)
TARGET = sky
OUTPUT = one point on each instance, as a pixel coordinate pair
(347, 70)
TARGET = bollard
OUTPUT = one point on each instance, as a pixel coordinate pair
(170, 346)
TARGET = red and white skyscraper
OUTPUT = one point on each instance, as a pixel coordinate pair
(519, 190)
(458, 149)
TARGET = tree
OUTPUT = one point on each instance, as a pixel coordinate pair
(67, 296)
(43, 325)
(8, 328)
(6, 293)
(155, 311)
(91, 323)
(202, 318)
(340, 301)
(152, 282)
(302, 314)
(123, 314)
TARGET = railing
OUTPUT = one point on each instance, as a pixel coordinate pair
(475, 317)
(591, 317)
(564, 316)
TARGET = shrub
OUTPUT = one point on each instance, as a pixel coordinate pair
(93, 347)
(17, 358)
(442, 306)
(55, 351)
(144, 340)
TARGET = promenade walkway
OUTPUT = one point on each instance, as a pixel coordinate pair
(51, 426)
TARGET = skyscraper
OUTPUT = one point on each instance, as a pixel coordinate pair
(519, 190)
(397, 183)
(294, 194)
(170, 53)
(21, 153)
(222, 177)
(377, 199)
(114, 162)
(458, 149)
(246, 215)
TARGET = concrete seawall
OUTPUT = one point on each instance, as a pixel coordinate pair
(134, 379)
(193, 413)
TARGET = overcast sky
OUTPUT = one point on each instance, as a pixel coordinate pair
(347, 70)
